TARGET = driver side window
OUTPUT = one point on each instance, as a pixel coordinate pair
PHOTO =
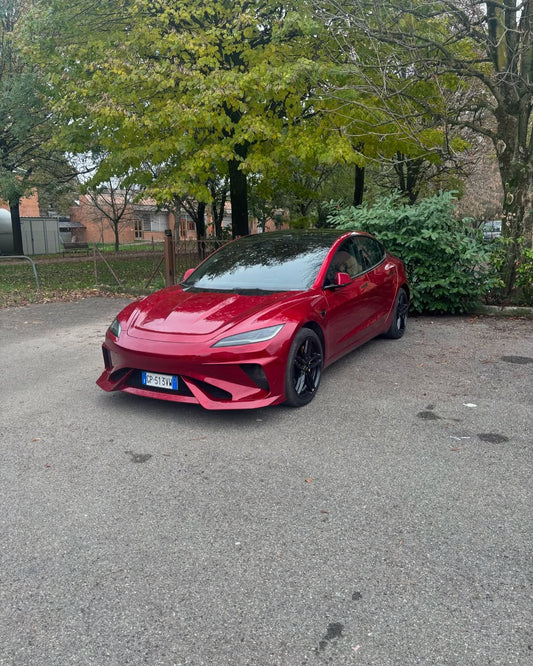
(345, 260)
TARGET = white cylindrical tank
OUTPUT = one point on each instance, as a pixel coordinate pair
(6, 232)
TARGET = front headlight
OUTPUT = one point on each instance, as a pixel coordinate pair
(115, 328)
(248, 338)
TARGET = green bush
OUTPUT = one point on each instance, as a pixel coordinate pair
(522, 293)
(524, 274)
(446, 260)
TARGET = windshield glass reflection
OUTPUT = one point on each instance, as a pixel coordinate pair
(275, 261)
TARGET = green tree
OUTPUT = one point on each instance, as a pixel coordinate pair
(197, 88)
(463, 64)
(299, 189)
(391, 133)
(25, 122)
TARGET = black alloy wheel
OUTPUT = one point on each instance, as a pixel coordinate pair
(399, 319)
(304, 368)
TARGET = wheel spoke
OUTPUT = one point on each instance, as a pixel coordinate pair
(299, 383)
(307, 367)
(316, 360)
(311, 381)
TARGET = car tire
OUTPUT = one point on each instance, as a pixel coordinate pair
(399, 318)
(304, 368)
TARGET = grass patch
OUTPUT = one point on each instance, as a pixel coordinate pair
(131, 247)
(73, 278)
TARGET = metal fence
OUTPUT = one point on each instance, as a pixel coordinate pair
(133, 269)
(189, 253)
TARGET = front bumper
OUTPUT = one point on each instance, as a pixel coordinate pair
(244, 377)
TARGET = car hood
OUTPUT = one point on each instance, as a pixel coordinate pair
(176, 312)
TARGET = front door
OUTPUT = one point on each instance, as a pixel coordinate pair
(348, 307)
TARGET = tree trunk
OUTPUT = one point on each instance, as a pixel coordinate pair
(16, 227)
(115, 231)
(218, 195)
(217, 215)
(176, 214)
(217, 220)
(517, 222)
(408, 174)
(413, 180)
(200, 221)
(238, 187)
(359, 185)
(516, 170)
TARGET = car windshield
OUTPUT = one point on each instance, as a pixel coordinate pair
(264, 262)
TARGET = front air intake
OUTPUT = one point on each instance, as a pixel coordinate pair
(256, 373)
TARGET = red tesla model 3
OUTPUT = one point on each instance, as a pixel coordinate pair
(257, 321)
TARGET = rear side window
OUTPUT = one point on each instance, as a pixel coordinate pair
(371, 251)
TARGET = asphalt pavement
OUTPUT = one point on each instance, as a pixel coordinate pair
(388, 522)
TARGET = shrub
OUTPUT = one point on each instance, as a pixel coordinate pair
(524, 270)
(522, 294)
(524, 277)
(446, 260)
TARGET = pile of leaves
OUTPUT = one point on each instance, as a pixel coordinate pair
(17, 298)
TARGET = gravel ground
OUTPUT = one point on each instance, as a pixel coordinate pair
(389, 522)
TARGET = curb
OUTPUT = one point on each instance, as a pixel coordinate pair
(504, 311)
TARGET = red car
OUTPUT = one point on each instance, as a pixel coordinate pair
(257, 321)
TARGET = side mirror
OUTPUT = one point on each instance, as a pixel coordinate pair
(188, 273)
(342, 279)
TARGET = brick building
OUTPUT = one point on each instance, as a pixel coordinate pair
(29, 206)
(140, 221)
(91, 222)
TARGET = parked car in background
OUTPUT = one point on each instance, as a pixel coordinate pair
(492, 229)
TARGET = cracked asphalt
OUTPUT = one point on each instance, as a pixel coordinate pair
(388, 522)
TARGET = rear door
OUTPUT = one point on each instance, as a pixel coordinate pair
(381, 279)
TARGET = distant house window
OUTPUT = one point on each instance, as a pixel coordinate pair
(153, 220)
(186, 224)
(138, 229)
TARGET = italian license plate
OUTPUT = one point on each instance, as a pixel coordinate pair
(160, 381)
